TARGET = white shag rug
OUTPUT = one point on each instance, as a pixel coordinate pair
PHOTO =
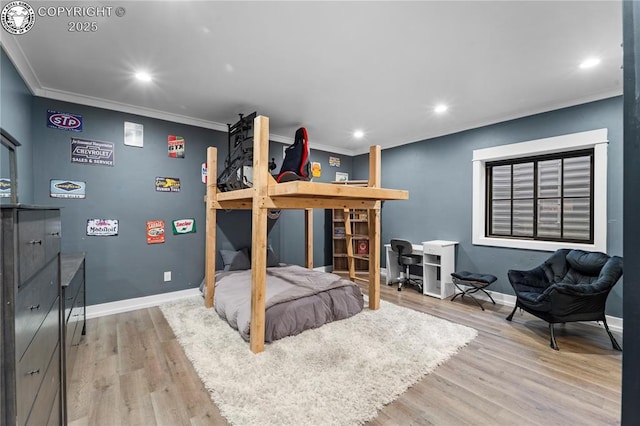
(339, 374)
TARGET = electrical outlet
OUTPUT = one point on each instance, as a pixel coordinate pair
(167, 276)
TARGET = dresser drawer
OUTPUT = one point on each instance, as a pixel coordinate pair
(52, 235)
(45, 409)
(31, 242)
(32, 368)
(32, 304)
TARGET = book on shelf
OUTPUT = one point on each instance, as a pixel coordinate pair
(362, 247)
(359, 216)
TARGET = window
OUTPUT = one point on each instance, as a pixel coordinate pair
(541, 198)
(543, 195)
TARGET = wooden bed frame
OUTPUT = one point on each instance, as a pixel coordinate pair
(267, 194)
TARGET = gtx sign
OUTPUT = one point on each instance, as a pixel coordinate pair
(64, 121)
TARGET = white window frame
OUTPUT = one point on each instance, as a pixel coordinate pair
(596, 139)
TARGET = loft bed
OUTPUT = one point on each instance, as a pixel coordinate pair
(266, 194)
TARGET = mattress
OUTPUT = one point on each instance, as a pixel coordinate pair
(296, 299)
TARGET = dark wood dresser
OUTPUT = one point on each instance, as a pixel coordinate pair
(31, 347)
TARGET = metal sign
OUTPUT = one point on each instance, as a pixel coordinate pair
(102, 227)
(91, 152)
(64, 121)
(183, 226)
(67, 189)
(167, 184)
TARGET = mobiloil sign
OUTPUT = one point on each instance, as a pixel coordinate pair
(102, 227)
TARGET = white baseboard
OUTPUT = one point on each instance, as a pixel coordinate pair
(615, 323)
(111, 308)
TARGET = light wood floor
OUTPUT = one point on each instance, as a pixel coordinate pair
(130, 370)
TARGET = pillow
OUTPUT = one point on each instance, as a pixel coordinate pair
(235, 260)
(587, 262)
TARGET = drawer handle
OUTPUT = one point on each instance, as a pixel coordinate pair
(55, 234)
(32, 372)
(34, 242)
(32, 307)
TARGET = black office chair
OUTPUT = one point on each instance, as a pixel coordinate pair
(405, 259)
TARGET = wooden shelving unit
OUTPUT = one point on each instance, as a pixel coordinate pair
(351, 239)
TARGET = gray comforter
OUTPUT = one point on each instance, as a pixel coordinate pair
(296, 299)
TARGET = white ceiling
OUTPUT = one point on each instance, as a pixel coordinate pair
(332, 67)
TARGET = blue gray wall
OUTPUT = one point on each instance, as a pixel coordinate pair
(438, 175)
(15, 118)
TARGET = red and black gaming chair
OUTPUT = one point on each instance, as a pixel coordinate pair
(296, 164)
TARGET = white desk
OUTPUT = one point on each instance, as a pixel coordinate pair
(438, 262)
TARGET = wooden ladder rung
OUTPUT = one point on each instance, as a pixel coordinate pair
(362, 280)
(359, 257)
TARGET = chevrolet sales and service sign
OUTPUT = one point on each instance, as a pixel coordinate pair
(64, 121)
(91, 152)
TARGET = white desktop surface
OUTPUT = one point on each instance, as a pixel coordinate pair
(442, 243)
(417, 248)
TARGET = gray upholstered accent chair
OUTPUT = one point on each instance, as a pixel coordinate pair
(571, 285)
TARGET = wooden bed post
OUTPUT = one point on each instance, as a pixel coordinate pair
(308, 237)
(210, 244)
(375, 177)
(259, 231)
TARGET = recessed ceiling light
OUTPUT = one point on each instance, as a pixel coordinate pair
(358, 134)
(441, 108)
(589, 63)
(143, 76)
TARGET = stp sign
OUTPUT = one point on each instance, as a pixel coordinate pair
(64, 121)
